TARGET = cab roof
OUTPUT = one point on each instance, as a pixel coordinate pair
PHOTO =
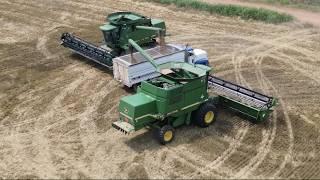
(124, 17)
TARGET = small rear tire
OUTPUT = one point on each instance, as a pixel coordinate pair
(166, 134)
(205, 115)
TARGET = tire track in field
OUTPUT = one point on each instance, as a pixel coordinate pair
(268, 136)
(40, 139)
(42, 43)
(288, 156)
(239, 78)
(236, 143)
(186, 161)
(41, 6)
(21, 109)
(244, 130)
(291, 62)
(54, 107)
(70, 88)
(87, 112)
(88, 129)
(308, 71)
(233, 146)
(238, 66)
(309, 121)
(266, 141)
(120, 155)
(192, 161)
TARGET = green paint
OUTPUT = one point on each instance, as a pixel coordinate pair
(171, 98)
(256, 114)
(168, 99)
(122, 26)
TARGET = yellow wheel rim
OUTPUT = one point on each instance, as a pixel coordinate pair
(208, 118)
(168, 136)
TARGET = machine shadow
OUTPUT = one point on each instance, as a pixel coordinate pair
(187, 134)
(190, 134)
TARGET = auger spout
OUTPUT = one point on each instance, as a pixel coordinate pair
(143, 53)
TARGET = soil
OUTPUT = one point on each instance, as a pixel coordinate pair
(56, 108)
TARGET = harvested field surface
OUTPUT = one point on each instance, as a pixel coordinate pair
(56, 108)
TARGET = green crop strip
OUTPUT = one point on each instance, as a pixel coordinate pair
(258, 14)
(313, 5)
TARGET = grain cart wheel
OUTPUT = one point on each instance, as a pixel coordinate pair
(205, 115)
(166, 134)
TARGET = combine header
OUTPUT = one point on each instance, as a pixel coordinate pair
(180, 96)
(97, 54)
(240, 99)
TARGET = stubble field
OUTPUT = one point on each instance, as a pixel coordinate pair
(56, 108)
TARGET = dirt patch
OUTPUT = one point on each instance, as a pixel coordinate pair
(56, 108)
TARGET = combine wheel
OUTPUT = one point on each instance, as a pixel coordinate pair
(166, 134)
(205, 115)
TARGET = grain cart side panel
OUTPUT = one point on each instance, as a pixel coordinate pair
(120, 72)
(137, 69)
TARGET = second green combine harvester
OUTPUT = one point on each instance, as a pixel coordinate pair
(180, 96)
(121, 27)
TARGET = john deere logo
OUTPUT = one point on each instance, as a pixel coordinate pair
(125, 110)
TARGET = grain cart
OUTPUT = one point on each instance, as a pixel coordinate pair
(132, 69)
(121, 27)
(180, 97)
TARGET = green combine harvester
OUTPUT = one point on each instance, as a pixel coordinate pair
(180, 97)
(120, 27)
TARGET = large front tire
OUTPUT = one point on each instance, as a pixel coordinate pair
(166, 134)
(205, 115)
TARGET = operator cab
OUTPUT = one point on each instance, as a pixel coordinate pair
(122, 26)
